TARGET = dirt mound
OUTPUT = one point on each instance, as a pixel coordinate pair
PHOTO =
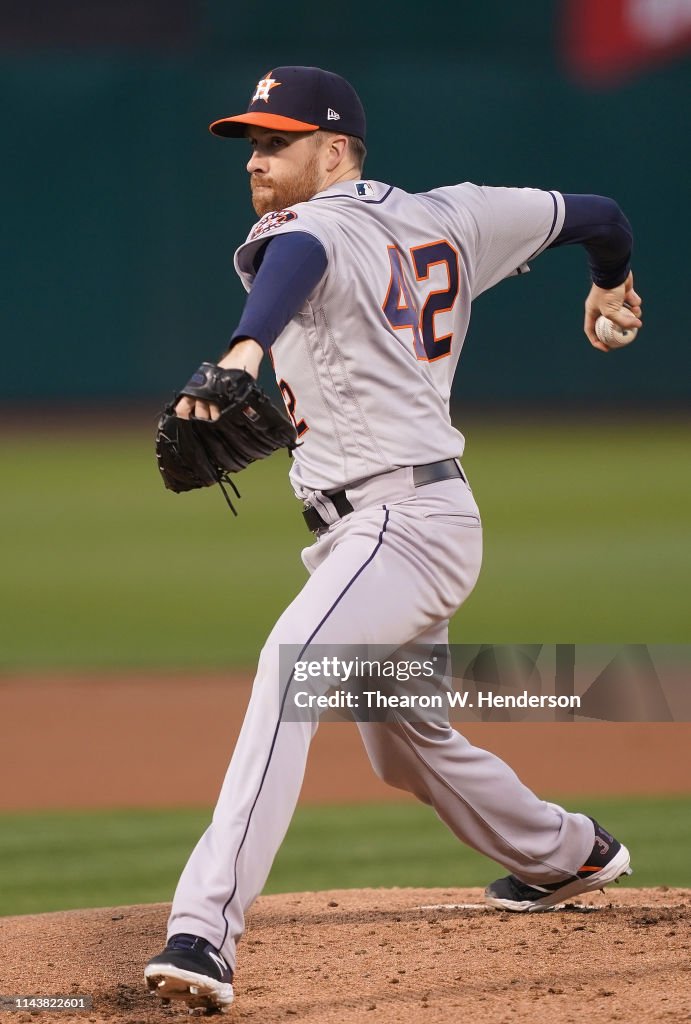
(373, 955)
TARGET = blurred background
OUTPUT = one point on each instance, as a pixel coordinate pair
(122, 214)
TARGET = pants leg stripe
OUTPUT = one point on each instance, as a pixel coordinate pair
(340, 597)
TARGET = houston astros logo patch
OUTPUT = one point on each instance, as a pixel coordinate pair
(264, 87)
(275, 219)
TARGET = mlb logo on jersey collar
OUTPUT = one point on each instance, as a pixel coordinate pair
(363, 189)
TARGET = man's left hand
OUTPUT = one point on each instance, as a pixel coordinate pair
(245, 354)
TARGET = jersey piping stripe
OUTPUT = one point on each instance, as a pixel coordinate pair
(370, 202)
(380, 541)
(551, 229)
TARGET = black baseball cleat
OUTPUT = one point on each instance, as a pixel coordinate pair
(608, 861)
(192, 970)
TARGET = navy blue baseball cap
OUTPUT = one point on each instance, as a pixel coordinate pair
(296, 99)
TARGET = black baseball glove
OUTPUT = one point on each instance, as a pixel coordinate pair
(198, 453)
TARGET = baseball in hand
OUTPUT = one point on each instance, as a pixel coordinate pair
(612, 335)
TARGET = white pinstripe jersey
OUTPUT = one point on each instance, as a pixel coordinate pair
(366, 366)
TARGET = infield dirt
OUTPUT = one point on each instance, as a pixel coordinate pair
(394, 955)
(375, 955)
(79, 725)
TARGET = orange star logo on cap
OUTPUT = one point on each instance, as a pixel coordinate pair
(264, 87)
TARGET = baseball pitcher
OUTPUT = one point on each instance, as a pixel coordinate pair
(360, 295)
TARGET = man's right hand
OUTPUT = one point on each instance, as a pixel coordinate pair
(612, 303)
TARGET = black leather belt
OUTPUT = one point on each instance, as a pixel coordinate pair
(431, 473)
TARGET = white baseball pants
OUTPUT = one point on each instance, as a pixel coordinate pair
(394, 570)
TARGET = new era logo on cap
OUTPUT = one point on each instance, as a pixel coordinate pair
(299, 99)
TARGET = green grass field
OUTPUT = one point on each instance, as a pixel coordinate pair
(586, 540)
(66, 860)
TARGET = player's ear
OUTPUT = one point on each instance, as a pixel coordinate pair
(336, 148)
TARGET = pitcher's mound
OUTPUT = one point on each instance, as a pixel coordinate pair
(373, 955)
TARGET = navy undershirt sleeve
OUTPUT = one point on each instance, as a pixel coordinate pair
(289, 267)
(598, 224)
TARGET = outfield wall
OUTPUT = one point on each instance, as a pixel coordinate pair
(124, 211)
